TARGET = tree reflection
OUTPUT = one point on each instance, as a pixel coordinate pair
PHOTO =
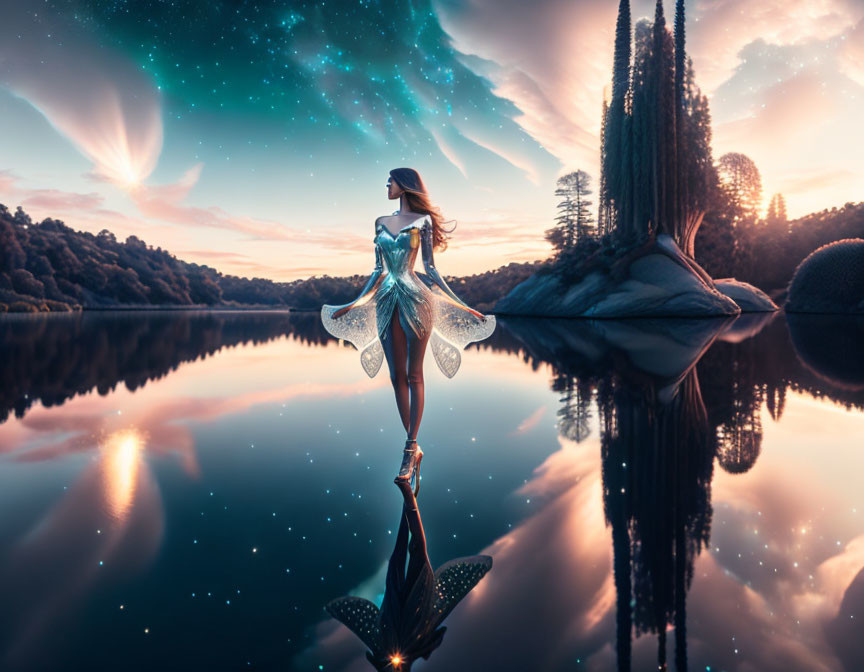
(657, 449)
(657, 469)
(575, 412)
(739, 439)
(53, 358)
(670, 397)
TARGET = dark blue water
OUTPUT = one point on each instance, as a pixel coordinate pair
(188, 490)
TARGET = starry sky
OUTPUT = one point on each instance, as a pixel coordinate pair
(256, 137)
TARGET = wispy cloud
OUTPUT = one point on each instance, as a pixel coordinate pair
(815, 180)
(54, 199)
(778, 72)
(851, 53)
(530, 422)
(85, 208)
(112, 115)
(244, 264)
(165, 202)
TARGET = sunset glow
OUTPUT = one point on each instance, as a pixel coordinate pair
(121, 459)
(286, 191)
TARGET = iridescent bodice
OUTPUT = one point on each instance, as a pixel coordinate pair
(399, 253)
(399, 284)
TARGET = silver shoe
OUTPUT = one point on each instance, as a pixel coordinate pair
(410, 469)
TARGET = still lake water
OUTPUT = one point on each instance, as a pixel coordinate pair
(185, 491)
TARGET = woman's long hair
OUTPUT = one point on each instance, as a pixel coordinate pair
(418, 201)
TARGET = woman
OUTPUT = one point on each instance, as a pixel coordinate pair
(397, 314)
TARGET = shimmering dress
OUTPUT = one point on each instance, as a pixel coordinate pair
(425, 304)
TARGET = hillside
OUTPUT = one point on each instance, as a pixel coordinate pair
(48, 266)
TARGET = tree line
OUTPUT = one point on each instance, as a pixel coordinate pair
(47, 266)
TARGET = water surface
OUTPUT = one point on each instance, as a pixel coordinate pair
(187, 490)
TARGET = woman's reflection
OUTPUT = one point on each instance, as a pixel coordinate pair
(416, 601)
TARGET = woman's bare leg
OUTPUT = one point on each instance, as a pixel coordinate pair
(416, 351)
(396, 352)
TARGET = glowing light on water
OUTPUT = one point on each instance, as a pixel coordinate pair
(121, 462)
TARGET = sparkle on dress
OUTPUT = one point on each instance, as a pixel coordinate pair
(424, 305)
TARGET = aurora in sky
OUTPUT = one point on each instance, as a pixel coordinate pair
(256, 137)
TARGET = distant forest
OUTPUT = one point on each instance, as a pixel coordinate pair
(765, 252)
(48, 266)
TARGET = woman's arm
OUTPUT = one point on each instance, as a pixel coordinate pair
(371, 284)
(426, 246)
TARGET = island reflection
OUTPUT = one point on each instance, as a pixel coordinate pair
(53, 358)
(669, 398)
(665, 398)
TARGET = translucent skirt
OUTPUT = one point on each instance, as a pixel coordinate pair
(423, 308)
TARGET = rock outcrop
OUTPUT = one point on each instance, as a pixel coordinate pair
(750, 299)
(659, 282)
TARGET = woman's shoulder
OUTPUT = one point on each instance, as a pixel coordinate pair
(423, 220)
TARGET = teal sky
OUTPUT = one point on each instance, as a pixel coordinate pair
(256, 137)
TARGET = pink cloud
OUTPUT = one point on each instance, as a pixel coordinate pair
(164, 202)
(540, 51)
(718, 29)
(86, 211)
(789, 109)
(530, 422)
(56, 200)
(851, 53)
(815, 180)
(8, 181)
(242, 263)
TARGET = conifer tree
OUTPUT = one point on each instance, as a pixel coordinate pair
(680, 147)
(664, 150)
(613, 164)
(781, 209)
(657, 172)
(574, 221)
(603, 207)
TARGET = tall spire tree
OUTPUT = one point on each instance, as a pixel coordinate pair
(664, 147)
(680, 182)
(657, 170)
(613, 164)
(699, 175)
(641, 133)
(603, 217)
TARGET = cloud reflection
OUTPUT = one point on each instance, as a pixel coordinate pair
(107, 527)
